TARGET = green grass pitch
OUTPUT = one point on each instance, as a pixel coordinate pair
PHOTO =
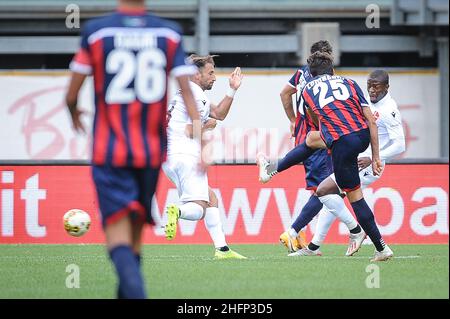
(188, 272)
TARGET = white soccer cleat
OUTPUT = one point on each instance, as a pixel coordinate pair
(355, 242)
(263, 164)
(383, 255)
(306, 252)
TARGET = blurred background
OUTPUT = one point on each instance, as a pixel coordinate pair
(268, 39)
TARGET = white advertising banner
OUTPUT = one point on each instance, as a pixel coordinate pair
(34, 123)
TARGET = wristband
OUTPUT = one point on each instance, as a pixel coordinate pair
(231, 92)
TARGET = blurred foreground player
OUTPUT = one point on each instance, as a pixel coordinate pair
(130, 54)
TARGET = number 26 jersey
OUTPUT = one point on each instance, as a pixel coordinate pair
(130, 55)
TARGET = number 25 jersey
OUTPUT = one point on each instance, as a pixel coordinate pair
(338, 103)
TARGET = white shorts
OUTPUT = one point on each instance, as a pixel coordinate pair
(191, 183)
(365, 175)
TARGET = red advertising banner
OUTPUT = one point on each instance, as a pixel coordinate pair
(410, 202)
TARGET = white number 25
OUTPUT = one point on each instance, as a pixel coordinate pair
(339, 92)
(147, 68)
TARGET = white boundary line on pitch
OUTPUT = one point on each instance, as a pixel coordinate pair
(363, 257)
(199, 257)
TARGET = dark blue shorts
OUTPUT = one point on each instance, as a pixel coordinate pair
(344, 152)
(125, 191)
(317, 167)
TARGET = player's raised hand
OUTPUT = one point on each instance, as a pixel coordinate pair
(236, 78)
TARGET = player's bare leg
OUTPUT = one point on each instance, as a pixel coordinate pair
(119, 233)
(314, 140)
(137, 228)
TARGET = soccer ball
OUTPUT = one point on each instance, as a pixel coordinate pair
(76, 222)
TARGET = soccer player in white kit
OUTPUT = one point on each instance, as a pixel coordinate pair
(182, 167)
(391, 142)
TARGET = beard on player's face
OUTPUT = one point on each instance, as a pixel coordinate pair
(377, 90)
(207, 76)
(376, 97)
(206, 83)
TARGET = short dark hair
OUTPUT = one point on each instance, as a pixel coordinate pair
(201, 61)
(380, 75)
(322, 46)
(320, 63)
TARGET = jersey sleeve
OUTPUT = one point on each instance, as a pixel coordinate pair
(82, 62)
(294, 79)
(392, 120)
(298, 80)
(360, 94)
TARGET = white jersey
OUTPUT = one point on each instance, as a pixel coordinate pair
(177, 141)
(389, 123)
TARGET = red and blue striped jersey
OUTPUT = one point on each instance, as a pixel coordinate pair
(338, 103)
(303, 122)
(130, 55)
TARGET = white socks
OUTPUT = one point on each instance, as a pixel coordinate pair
(336, 206)
(323, 225)
(191, 211)
(293, 233)
(214, 227)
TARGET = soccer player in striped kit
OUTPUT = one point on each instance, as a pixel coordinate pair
(317, 167)
(130, 54)
(392, 143)
(347, 127)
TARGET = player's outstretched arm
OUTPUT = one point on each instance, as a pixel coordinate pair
(220, 111)
(76, 81)
(377, 166)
